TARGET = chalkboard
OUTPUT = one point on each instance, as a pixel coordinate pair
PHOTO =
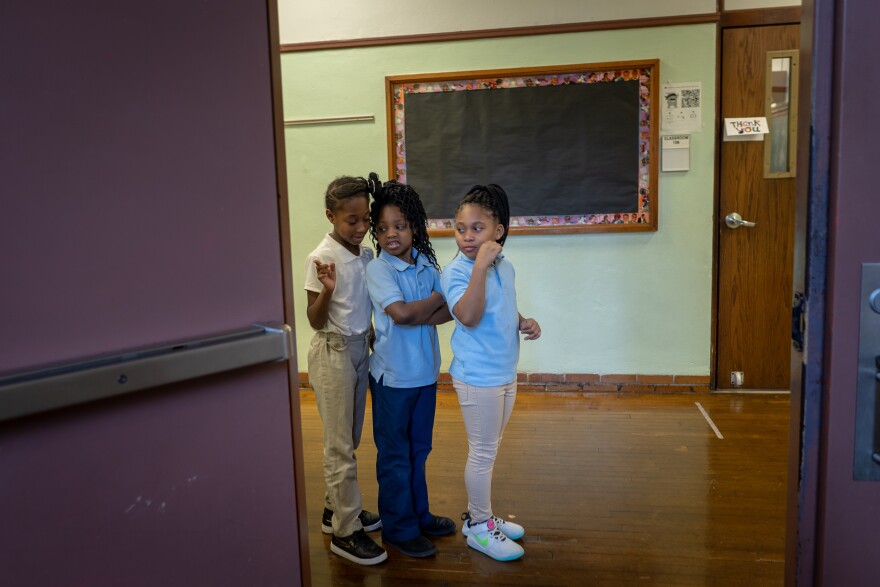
(572, 146)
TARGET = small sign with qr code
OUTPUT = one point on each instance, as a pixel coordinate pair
(681, 108)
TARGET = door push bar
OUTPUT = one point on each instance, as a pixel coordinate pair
(65, 385)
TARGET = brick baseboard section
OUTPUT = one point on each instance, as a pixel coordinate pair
(587, 382)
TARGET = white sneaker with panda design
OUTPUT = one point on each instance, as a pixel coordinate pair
(509, 529)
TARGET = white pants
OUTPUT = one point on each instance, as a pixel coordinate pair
(486, 411)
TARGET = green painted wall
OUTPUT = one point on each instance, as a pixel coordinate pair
(607, 303)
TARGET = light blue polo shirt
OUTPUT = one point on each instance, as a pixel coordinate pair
(485, 354)
(407, 356)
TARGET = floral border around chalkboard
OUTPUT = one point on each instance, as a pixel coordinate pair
(641, 72)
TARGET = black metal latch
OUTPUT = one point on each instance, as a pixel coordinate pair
(798, 321)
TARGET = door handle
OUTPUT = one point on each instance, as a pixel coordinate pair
(734, 220)
(866, 464)
(70, 384)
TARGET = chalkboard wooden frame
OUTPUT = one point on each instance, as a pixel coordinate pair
(644, 176)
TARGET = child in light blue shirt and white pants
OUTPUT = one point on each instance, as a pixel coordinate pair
(480, 291)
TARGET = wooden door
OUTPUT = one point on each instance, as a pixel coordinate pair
(142, 171)
(754, 263)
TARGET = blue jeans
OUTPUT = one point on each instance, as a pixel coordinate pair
(403, 425)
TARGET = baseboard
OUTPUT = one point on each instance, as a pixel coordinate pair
(590, 382)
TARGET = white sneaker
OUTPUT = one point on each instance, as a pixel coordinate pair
(489, 540)
(511, 530)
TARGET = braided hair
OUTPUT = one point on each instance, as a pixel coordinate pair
(493, 199)
(345, 187)
(394, 193)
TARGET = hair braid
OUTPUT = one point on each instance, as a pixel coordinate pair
(493, 199)
(394, 193)
(343, 188)
(374, 184)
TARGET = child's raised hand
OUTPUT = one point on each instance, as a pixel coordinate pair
(326, 274)
(487, 253)
(530, 328)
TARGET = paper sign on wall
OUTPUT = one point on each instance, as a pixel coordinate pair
(676, 151)
(745, 129)
(680, 107)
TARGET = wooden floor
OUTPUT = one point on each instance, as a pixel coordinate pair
(612, 490)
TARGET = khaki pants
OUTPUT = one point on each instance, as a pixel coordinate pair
(338, 371)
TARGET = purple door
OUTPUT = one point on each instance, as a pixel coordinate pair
(142, 204)
(834, 474)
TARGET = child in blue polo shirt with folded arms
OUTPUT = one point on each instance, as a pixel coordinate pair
(404, 286)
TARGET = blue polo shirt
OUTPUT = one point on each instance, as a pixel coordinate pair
(485, 354)
(407, 356)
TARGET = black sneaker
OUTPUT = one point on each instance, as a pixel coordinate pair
(439, 526)
(369, 521)
(358, 548)
(327, 521)
(418, 547)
